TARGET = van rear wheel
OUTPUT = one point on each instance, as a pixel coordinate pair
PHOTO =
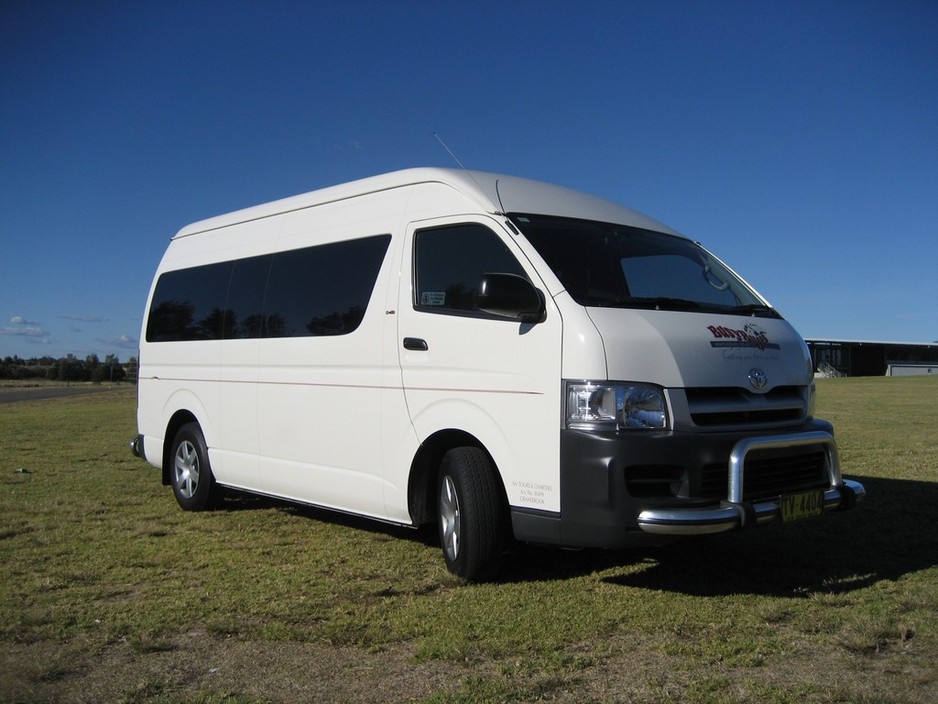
(471, 514)
(191, 474)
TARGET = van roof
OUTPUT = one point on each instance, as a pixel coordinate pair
(495, 193)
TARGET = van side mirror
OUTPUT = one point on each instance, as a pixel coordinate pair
(511, 296)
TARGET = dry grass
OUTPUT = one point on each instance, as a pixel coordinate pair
(109, 593)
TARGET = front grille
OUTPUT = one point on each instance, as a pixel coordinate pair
(735, 406)
(769, 475)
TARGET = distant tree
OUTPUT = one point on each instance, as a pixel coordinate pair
(12, 368)
(109, 372)
(130, 371)
(70, 369)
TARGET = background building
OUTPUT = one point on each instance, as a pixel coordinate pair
(858, 358)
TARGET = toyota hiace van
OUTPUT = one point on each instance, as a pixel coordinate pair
(508, 359)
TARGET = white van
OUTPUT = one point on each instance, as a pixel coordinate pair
(506, 358)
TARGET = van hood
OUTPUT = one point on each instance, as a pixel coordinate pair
(680, 349)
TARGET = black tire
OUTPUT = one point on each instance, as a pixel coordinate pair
(190, 472)
(471, 514)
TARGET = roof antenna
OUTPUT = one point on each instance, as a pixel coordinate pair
(472, 176)
(449, 151)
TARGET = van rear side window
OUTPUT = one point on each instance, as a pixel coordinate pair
(189, 304)
(314, 291)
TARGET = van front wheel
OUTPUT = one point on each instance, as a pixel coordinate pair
(471, 514)
(190, 473)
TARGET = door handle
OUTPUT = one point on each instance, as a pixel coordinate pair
(416, 344)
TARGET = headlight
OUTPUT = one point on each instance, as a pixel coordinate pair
(610, 406)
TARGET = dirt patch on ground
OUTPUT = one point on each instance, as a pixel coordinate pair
(197, 667)
(195, 664)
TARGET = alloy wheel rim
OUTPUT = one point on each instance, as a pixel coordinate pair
(449, 518)
(187, 469)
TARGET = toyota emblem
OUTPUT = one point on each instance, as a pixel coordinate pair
(757, 378)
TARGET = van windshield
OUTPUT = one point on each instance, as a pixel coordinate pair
(605, 264)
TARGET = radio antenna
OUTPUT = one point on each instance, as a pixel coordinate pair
(470, 174)
(449, 151)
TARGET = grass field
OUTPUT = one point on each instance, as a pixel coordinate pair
(108, 592)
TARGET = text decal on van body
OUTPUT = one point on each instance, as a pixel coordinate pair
(749, 336)
(533, 494)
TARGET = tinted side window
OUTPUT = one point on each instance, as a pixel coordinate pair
(189, 304)
(450, 261)
(244, 309)
(322, 290)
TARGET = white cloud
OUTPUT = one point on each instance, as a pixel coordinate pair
(24, 331)
(20, 320)
(123, 341)
(83, 318)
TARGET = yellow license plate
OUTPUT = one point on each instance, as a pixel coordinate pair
(807, 504)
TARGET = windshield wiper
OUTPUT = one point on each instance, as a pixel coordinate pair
(756, 309)
(650, 303)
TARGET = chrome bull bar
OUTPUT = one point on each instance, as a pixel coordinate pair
(735, 512)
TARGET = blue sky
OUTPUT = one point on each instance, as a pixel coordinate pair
(797, 140)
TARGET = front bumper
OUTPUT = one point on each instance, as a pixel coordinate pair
(730, 516)
(734, 512)
(608, 502)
